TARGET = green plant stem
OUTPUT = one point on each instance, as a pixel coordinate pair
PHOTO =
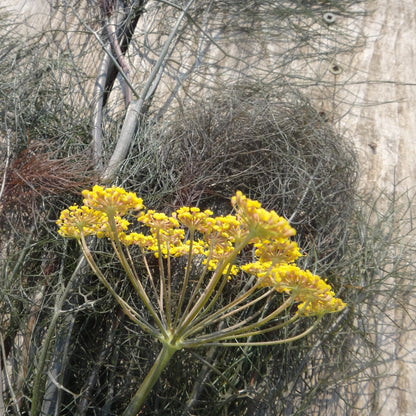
(186, 277)
(195, 290)
(128, 310)
(163, 290)
(149, 273)
(222, 313)
(260, 343)
(152, 376)
(130, 273)
(206, 294)
(241, 329)
(227, 310)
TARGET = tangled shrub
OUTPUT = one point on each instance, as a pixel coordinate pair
(272, 145)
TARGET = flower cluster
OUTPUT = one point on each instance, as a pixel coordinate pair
(184, 313)
(114, 201)
(314, 295)
(260, 222)
(76, 221)
(218, 240)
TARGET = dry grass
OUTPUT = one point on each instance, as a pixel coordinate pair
(36, 174)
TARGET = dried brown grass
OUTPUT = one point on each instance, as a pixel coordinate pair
(36, 173)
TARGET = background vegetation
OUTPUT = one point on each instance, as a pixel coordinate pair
(241, 114)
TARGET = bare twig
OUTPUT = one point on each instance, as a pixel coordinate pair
(134, 112)
(7, 378)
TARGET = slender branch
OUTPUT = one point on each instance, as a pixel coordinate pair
(134, 111)
(259, 343)
(196, 288)
(8, 381)
(37, 392)
(219, 316)
(97, 111)
(203, 299)
(150, 275)
(186, 277)
(128, 310)
(107, 51)
(6, 163)
(107, 74)
(162, 281)
(112, 35)
(169, 289)
(133, 279)
(241, 329)
(198, 323)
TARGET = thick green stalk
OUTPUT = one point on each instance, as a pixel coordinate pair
(153, 375)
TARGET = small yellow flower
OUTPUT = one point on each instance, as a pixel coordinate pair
(261, 269)
(320, 307)
(315, 295)
(114, 201)
(171, 236)
(213, 264)
(198, 248)
(192, 217)
(221, 250)
(105, 230)
(158, 221)
(76, 220)
(224, 228)
(139, 239)
(277, 251)
(176, 249)
(260, 222)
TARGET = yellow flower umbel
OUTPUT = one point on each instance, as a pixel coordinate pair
(112, 200)
(182, 296)
(314, 295)
(260, 222)
(75, 221)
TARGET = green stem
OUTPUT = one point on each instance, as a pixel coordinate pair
(128, 310)
(130, 273)
(152, 376)
(258, 344)
(195, 290)
(242, 327)
(186, 278)
(206, 294)
(163, 285)
(219, 314)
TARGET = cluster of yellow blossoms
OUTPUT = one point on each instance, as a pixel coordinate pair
(218, 239)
